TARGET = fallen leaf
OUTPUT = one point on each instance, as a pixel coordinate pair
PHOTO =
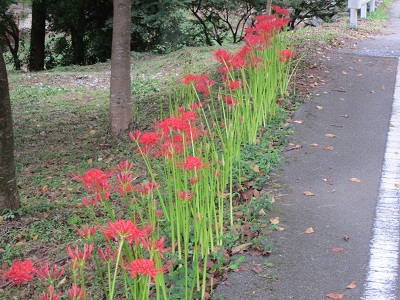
(383, 87)
(314, 145)
(335, 296)
(309, 230)
(344, 116)
(256, 169)
(90, 160)
(257, 269)
(35, 237)
(256, 193)
(337, 249)
(372, 92)
(327, 148)
(354, 180)
(397, 185)
(319, 107)
(241, 248)
(298, 121)
(307, 193)
(352, 285)
(344, 73)
(1, 219)
(45, 188)
(274, 220)
(261, 212)
(280, 229)
(330, 135)
(92, 132)
(359, 75)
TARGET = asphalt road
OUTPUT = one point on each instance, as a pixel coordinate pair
(350, 161)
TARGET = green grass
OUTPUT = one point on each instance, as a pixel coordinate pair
(381, 13)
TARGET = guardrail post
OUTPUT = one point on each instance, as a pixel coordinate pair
(364, 11)
(353, 18)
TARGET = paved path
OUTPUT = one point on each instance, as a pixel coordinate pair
(356, 222)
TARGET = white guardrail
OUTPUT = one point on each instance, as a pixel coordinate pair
(355, 5)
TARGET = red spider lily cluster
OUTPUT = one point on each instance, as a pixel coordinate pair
(171, 135)
(134, 242)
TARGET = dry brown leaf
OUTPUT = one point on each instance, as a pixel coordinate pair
(298, 121)
(352, 285)
(280, 229)
(330, 135)
(256, 169)
(241, 248)
(256, 193)
(1, 219)
(261, 212)
(355, 180)
(372, 92)
(314, 145)
(337, 249)
(319, 107)
(344, 73)
(383, 87)
(307, 193)
(397, 185)
(309, 230)
(327, 148)
(335, 296)
(274, 220)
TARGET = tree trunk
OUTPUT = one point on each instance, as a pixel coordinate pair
(8, 183)
(121, 115)
(78, 47)
(38, 33)
(268, 8)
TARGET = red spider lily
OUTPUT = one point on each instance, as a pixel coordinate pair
(280, 10)
(21, 271)
(185, 196)
(87, 233)
(125, 166)
(79, 258)
(95, 180)
(188, 115)
(124, 184)
(193, 180)
(231, 101)
(238, 62)
(135, 135)
(191, 78)
(50, 276)
(234, 85)
(192, 163)
(172, 124)
(125, 230)
(155, 246)
(149, 138)
(108, 256)
(147, 187)
(205, 86)
(196, 105)
(143, 266)
(286, 55)
(92, 200)
(51, 294)
(223, 56)
(245, 51)
(75, 293)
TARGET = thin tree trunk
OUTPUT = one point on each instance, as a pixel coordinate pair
(268, 8)
(8, 183)
(121, 115)
(38, 33)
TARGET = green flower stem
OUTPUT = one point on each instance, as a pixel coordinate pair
(121, 243)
